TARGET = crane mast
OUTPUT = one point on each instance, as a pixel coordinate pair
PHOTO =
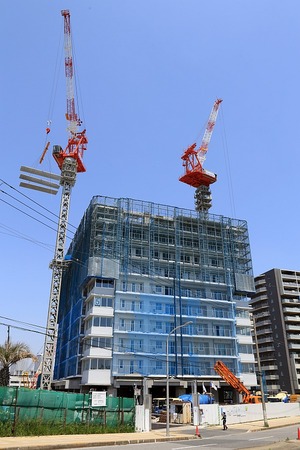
(194, 173)
(70, 161)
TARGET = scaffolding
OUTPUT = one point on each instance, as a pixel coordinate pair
(163, 266)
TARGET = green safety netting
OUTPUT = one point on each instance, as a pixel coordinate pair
(62, 407)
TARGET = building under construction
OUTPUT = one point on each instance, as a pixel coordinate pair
(138, 271)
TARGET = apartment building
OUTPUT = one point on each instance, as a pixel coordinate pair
(139, 270)
(276, 309)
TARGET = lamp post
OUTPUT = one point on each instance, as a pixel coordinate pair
(167, 370)
(260, 374)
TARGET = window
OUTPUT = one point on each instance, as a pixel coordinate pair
(105, 283)
(98, 343)
(158, 326)
(100, 364)
(159, 345)
(248, 368)
(245, 348)
(103, 301)
(158, 289)
(102, 321)
(158, 308)
(169, 309)
(169, 290)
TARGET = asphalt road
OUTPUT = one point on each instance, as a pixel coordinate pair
(276, 438)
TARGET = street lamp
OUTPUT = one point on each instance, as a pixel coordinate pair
(260, 374)
(168, 399)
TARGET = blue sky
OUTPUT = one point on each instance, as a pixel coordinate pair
(148, 74)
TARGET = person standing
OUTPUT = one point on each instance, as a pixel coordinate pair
(224, 419)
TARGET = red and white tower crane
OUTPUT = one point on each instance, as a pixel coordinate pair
(194, 173)
(70, 161)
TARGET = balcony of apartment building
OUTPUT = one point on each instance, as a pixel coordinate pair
(294, 336)
(261, 307)
(269, 368)
(260, 290)
(291, 310)
(263, 326)
(260, 283)
(294, 345)
(96, 371)
(291, 315)
(97, 347)
(265, 340)
(272, 377)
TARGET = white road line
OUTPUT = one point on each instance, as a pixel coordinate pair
(260, 439)
(193, 446)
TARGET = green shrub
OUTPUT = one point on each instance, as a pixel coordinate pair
(39, 428)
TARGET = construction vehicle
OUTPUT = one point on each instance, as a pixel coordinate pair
(234, 382)
(194, 173)
(70, 162)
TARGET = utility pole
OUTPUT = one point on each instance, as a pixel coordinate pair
(260, 374)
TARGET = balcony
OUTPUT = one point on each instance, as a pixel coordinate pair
(95, 352)
(291, 310)
(294, 346)
(96, 377)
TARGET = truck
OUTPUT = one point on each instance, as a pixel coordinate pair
(234, 382)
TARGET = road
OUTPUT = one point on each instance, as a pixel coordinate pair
(276, 438)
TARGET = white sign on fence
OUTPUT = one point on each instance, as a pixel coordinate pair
(99, 398)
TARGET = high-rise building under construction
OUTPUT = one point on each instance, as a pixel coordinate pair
(139, 270)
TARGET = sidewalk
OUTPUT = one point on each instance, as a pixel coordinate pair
(92, 440)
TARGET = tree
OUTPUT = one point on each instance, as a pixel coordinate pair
(11, 353)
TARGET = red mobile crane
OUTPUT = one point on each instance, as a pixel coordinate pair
(234, 382)
(195, 175)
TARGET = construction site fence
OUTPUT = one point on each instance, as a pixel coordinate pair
(22, 404)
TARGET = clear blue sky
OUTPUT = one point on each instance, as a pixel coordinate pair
(149, 72)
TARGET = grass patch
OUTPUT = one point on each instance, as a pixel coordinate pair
(39, 428)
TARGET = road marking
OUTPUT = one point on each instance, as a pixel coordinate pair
(259, 439)
(193, 446)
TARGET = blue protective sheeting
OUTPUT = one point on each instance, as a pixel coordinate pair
(204, 399)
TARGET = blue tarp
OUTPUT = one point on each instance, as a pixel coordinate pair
(203, 399)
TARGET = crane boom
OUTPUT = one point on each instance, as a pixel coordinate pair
(77, 139)
(70, 162)
(208, 131)
(71, 115)
(234, 382)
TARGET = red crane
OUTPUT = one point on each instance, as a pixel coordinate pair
(77, 139)
(195, 175)
(70, 162)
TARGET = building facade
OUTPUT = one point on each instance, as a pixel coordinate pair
(138, 270)
(276, 309)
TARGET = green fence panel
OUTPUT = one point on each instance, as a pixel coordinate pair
(62, 407)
